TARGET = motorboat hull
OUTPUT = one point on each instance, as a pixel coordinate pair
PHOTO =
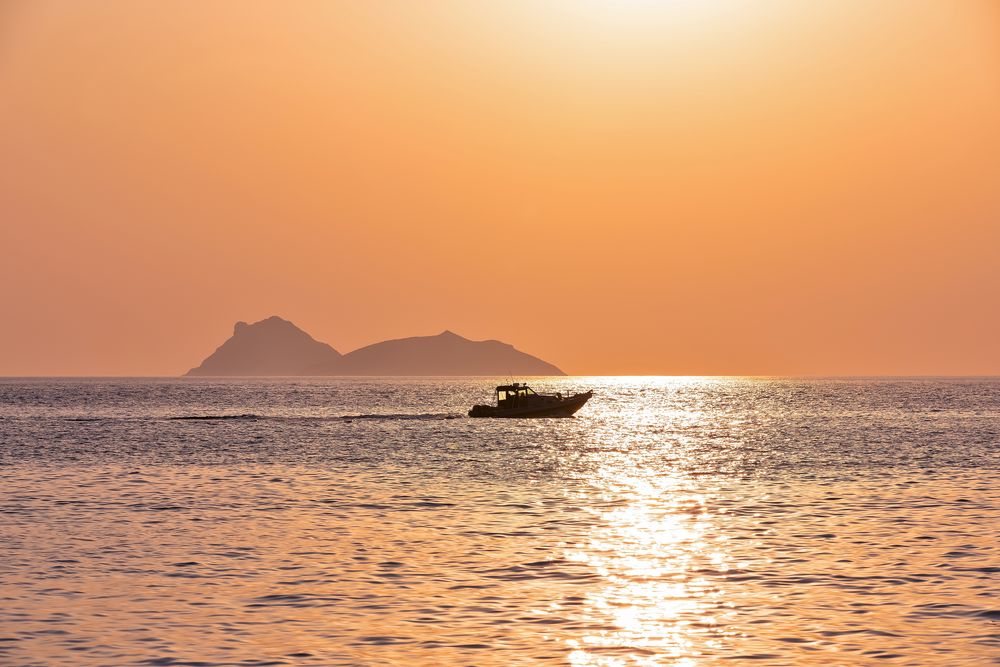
(564, 407)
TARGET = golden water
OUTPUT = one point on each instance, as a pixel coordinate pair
(672, 523)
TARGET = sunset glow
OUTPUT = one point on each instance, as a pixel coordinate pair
(601, 333)
(631, 187)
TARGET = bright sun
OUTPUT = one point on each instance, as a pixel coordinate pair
(662, 12)
(638, 22)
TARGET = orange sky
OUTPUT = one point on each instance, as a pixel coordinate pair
(619, 187)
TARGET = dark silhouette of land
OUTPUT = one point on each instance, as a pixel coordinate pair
(270, 347)
(277, 347)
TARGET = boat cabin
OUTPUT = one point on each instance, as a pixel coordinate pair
(510, 395)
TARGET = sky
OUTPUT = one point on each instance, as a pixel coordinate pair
(672, 187)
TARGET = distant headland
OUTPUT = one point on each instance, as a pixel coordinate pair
(275, 346)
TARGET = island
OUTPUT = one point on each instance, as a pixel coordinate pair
(276, 347)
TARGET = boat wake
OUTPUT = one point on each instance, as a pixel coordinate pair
(214, 417)
(249, 417)
(338, 418)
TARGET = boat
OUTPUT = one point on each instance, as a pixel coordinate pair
(520, 400)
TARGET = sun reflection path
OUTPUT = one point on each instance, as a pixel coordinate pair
(653, 545)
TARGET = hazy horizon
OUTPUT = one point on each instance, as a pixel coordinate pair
(718, 188)
(181, 376)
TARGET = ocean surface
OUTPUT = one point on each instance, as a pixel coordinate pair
(673, 521)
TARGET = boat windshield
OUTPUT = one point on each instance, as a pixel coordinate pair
(508, 394)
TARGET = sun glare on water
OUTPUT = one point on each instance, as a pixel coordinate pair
(656, 538)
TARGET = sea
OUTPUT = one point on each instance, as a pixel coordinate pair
(368, 521)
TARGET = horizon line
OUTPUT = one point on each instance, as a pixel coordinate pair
(568, 375)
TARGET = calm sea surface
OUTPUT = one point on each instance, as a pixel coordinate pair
(369, 522)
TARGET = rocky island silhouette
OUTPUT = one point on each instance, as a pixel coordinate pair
(275, 346)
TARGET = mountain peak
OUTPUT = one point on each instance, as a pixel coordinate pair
(272, 322)
(272, 346)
